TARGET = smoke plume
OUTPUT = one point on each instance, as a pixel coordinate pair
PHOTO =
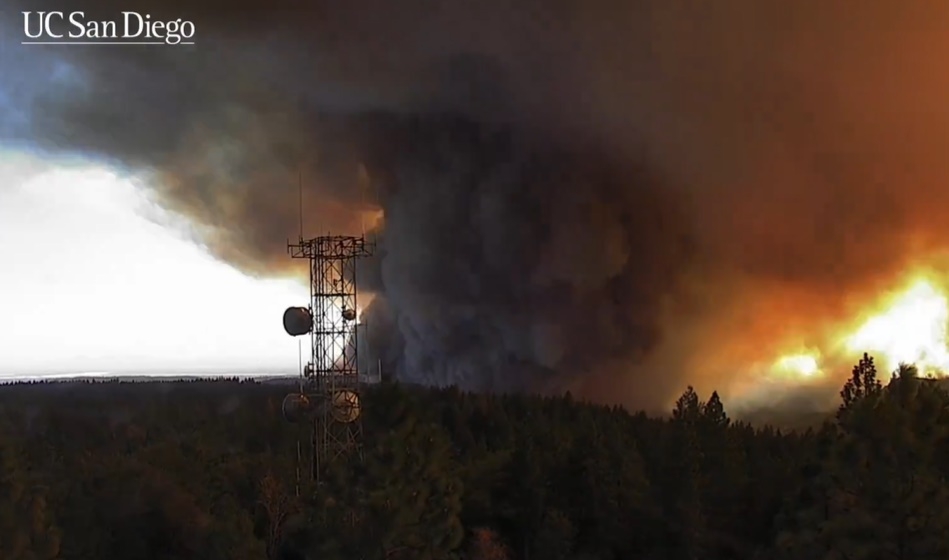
(619, 198)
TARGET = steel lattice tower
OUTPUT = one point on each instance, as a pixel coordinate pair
(329, 388)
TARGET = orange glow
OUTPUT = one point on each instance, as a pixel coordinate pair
(911, 330)
(797, 365)
(371, 219)
(365, 300)
(909, 325)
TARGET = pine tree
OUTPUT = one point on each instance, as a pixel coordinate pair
(403, 502)
(612, 509)
(278, 505)
(713, 413)
(863, 383)
(883, 494)
(686, 505)
(688, 409)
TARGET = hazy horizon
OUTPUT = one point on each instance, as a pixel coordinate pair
(97, 278)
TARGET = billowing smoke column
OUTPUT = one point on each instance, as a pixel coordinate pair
(509, 258)
(614, 197)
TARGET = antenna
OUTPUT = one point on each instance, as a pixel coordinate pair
(330, 395)
(301, 204)
(299, 460)
(363, 187)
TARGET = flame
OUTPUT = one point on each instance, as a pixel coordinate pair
(911, 330)
(910, 326)
(797, 365)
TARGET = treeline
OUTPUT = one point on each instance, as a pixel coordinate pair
(206, 469)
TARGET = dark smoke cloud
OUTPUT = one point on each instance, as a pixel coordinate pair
(615, 197)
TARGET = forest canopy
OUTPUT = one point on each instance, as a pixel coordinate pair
(207, 469)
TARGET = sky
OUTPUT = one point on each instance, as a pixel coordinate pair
(93, 281)
(617, 198)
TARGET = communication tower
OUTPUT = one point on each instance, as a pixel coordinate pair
(329, 394)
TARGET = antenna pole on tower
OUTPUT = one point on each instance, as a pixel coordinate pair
(300, 189)
(329, 395)
(330, 383)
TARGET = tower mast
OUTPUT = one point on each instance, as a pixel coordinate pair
(329, 396)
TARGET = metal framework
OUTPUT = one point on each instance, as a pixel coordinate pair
(329, 388)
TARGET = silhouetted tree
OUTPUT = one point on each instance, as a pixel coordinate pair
(863, 383)
(278, 505)
(201, 469)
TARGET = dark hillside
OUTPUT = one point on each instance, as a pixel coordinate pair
(205, 469)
